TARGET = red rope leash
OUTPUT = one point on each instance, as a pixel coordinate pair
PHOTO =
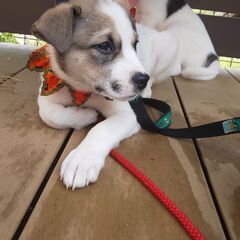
(192, 231)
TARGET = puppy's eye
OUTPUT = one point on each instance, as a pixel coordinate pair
(135, 44)
(105, 47)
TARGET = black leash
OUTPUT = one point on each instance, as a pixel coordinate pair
(226, 127)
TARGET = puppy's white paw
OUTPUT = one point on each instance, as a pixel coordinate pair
(81, 168)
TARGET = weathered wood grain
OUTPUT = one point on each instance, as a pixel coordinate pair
(27, 148)
(207, 101)
(235, 72)
(13, 57)
(117, 206)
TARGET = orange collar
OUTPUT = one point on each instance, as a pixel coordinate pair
(39, 61)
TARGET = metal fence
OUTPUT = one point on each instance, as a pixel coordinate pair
(225, 61)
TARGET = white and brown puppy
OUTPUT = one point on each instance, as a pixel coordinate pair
(197, 58)
(92, 46)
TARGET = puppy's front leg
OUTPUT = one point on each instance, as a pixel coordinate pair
(83, 164)
(58, 116)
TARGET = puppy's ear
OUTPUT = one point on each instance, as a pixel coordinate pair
(56, 25)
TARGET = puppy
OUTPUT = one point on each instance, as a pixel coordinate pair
(92, 47)
(196, 58)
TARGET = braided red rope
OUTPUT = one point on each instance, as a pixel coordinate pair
(188, 226)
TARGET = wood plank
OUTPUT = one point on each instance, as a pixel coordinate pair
(13, 57)
(232, 6)
(117, 206)
(225, 34)
(235, 72)
(27, 148)
(207, 102)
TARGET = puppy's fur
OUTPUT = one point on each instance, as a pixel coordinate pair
(196, 58)
(77, 33)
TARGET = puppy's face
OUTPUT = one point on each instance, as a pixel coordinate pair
(94, 47)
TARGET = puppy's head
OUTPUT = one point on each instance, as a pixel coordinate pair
(93, 47)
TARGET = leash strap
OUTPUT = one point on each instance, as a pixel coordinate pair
(220, 128)
(188, 226)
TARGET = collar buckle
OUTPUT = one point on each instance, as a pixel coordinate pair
(165, 121)
(231, 126)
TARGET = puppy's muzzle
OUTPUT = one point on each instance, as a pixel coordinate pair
(140, 80)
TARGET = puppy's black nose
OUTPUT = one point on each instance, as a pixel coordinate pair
(140, 80)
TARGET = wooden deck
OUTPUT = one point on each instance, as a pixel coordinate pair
(202, 177)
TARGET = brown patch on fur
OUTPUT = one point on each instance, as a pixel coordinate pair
(84, 65)
(92, 28)
(56, 25)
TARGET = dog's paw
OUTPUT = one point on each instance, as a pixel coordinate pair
(80, 168)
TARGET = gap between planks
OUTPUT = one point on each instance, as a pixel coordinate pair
(41, 188)
(203, 165)
(56, 159)
(232, 74)
(6, 78)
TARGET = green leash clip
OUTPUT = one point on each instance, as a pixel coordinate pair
(231, 126)
(165, 121)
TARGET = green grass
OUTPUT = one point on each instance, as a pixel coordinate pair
(20, 39)
(229, 62)
(31, 40)
(8, 38)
